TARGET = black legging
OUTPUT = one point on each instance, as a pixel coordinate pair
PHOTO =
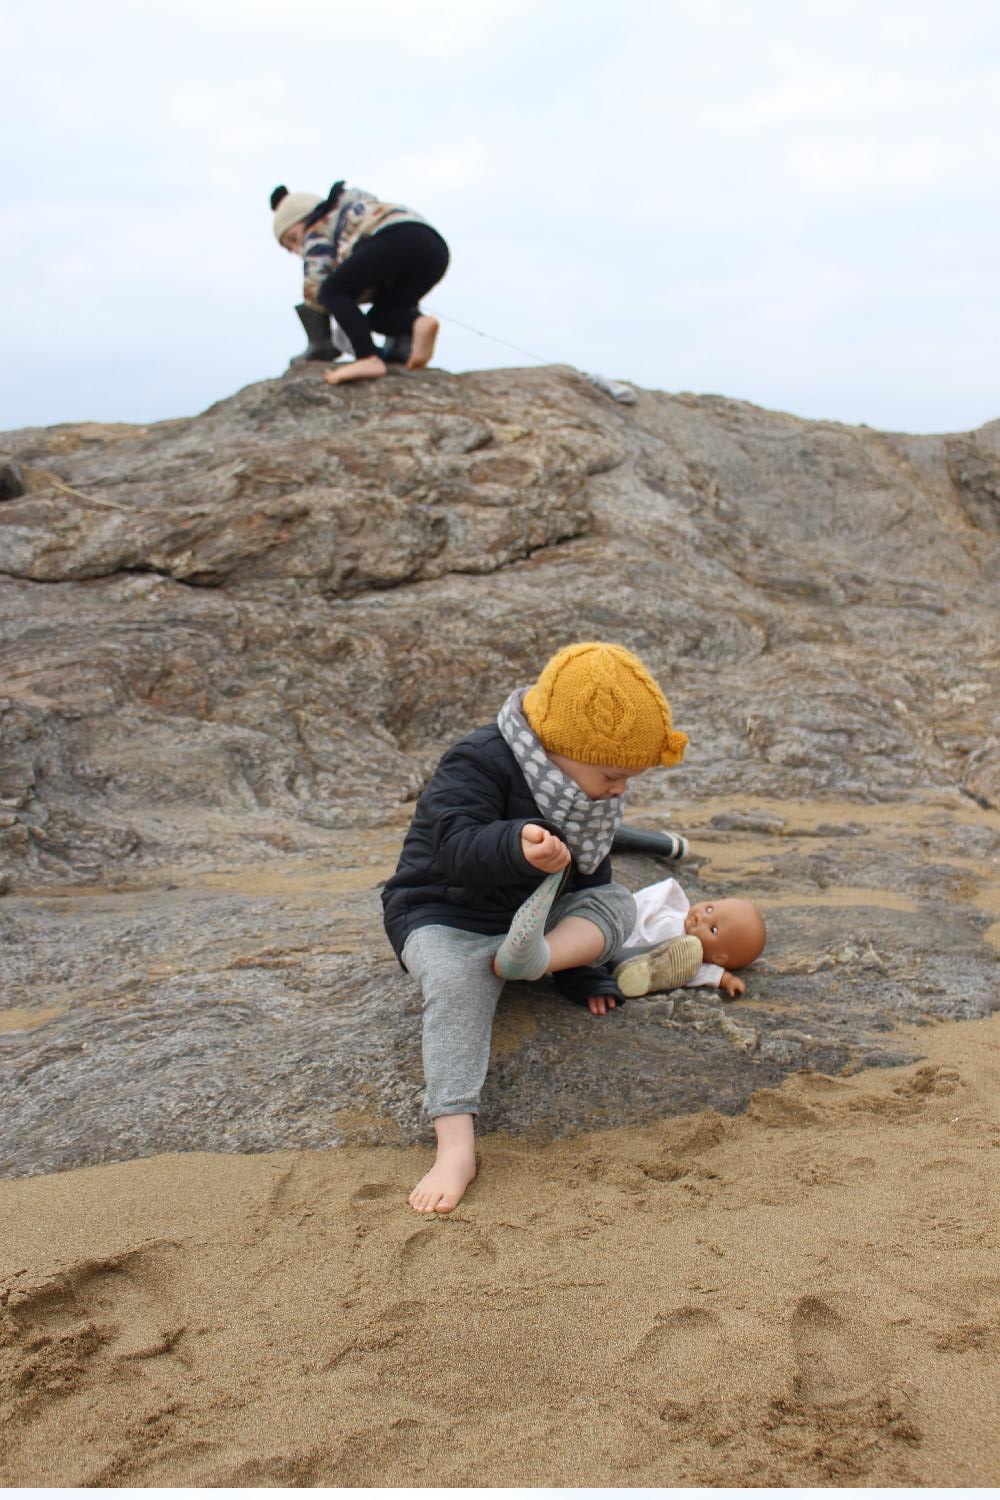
(398, 265)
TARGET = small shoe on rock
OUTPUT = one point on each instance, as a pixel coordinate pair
(669, 967)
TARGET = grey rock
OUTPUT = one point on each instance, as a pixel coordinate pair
(11, 480)
(785, 1054)
(831, 831)
(232, 648)
(739, 822)
(746, 1038)
(973, 461)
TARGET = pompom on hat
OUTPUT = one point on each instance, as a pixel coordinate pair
(596, 703)
(289, 208)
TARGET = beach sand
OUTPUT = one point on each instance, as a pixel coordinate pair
(806, 1294)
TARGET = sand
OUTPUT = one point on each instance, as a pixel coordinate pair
(807, 1294)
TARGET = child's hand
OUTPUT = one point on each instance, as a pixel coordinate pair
(599, 1005)
(732, 986)
(543, 850)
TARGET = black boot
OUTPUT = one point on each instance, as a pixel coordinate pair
(396, 349)
(317, 327)
(628, 840)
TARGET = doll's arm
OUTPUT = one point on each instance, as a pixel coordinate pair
(732, 986)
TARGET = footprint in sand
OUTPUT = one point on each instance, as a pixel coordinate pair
(304, 1191)
(274, 1471)
(373, 1190)
(286, 1197)
(373, 1203)
(833, 1362)
(780, 1110)
(115, 1309)
(448, 1253)
(928, 1080)
(678, 1360)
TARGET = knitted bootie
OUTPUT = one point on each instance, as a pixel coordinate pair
(524, 953)
(668, 967)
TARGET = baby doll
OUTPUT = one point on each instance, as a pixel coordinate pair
(674, 944)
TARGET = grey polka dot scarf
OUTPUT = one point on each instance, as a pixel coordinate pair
(586, 824)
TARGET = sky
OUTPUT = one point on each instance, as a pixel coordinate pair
(789, 202)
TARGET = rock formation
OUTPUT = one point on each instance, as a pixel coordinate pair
(235, 645)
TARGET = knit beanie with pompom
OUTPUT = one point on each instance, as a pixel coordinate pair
(289, 208)
(596, 703)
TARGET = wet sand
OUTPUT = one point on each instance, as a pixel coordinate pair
(805, 1294)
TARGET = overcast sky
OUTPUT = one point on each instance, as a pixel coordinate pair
(788, 202)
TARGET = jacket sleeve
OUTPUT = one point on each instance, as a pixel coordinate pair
(590, 979)
(474, 843)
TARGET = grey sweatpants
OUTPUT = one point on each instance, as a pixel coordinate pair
(460, 992)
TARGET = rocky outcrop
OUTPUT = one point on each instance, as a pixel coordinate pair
(234, 646)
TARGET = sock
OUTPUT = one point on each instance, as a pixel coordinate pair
(524, 953)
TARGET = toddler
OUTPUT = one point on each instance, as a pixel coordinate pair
(674, 944)
(357, 248)
(539, 793)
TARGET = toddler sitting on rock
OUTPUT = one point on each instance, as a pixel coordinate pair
(505, 872)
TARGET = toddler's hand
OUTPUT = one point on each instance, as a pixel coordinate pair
(543, 850)
(732, 986)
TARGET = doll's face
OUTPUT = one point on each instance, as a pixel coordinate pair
(596, 781)
(293, 237)
(731, 932)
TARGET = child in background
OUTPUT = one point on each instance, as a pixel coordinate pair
(538, 793)
(674, 944)
(357, 248)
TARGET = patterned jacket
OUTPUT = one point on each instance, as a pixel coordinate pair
(336, 228)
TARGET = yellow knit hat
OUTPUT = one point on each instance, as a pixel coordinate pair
(596, 703)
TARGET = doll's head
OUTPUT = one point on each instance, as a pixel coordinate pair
(595, 706)
(731, 932)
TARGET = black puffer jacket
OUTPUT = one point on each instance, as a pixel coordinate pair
(461, 864)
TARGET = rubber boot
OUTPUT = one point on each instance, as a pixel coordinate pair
(629, 840)
(396, 349)
(317, 327)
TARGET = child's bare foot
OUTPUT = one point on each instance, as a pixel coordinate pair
(371, 368)
(424, 336)
(443, 1187)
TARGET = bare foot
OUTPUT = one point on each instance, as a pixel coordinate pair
(442, 1188)
(371, 368)
(424, 336)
